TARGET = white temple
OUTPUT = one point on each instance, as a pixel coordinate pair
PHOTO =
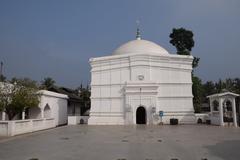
(137, 81)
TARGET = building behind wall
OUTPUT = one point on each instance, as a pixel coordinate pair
(76, 106)
(52, 105)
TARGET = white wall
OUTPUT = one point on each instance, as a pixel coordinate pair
(73, 120)
(16, 127)
(167, 84)
(202, 116)
(35, 113)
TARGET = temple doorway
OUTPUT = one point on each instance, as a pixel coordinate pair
(141, 115)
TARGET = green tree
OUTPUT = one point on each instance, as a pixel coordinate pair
(4, 95)
(182, 39)
(209, 88)
(220, 85)
(17, 97)
(197, 90)
(26, 82)
(229, 83)
(84, 94)
(236, 83)
(195, 62)
(47, 83)
(85, 97)
(2, 78)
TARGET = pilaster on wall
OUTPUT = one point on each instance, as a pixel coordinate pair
(42, 113)
(234, 112)
(221, 111)
(3, 116)
(23, 115)
(11, 128)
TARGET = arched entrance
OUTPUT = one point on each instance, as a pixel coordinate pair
(47, 111)
(227, 111)
(141, 115)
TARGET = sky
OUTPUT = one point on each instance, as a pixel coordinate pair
(56, 38)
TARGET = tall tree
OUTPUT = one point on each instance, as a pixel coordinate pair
(197, 90)
(85, 94)
(209, 88)
(5, 90)
(220, 85)
(182, 39)
(27, 82)
(229, 84)
(236, 83)
(2, 78)
(47, 83)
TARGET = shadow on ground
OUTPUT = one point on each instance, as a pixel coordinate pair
(226, 149)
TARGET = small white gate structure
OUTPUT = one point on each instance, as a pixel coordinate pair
(223, 109)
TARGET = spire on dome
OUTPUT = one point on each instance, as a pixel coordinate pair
(138, 35)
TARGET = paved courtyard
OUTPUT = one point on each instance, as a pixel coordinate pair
(82, 142)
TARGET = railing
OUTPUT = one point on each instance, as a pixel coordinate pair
(16, 127)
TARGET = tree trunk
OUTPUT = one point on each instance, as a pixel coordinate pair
(10, 115)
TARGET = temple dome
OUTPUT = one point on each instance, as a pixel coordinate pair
(140, 46)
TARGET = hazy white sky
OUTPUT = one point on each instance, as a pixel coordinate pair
(56, 38)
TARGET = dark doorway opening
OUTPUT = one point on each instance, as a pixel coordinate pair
(141, 115)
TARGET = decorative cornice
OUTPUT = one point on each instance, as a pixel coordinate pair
(142, 82)
(146, 56)
(158, 97)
